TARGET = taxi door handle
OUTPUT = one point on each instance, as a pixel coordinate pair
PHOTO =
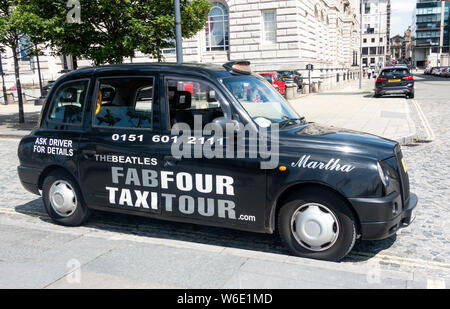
(170, 161)
(88, 153)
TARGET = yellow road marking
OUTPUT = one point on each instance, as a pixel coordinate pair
(381, 255)
(398, 261)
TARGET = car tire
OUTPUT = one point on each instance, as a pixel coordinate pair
(311, 211)
(377, 95)
(411, 96)
(63, 200)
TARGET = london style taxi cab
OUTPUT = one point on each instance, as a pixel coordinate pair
(106, 141)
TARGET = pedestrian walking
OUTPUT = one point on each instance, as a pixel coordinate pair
(369, 72)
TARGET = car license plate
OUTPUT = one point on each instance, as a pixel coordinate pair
(394, 80)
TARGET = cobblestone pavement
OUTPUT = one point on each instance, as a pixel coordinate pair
(419, 254)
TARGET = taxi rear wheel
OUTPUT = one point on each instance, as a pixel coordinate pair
(63, 200)
(317, 224)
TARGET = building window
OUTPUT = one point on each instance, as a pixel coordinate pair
(373, 50)
(24, 46)
(381, 40)
(365, 50)
(366, 8)
(372, 60)
(217, 28)
(364, 40)
(270, 25)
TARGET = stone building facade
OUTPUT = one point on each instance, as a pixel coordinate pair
(273, 35)
(402, 47)
(282, 35)
(376, 16)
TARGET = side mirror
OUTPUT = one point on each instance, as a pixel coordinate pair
(212, 96)
(223, 122)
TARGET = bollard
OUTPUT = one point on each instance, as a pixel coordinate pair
(290, 90)
(305, 89)
(10, 98)
(24, 98)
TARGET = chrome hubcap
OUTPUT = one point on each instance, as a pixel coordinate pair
(63, 198)
(315, 227)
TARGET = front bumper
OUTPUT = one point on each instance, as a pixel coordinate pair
(374, 215)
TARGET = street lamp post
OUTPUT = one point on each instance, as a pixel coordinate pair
(5, 101)
(179, 46)
(65, 67)
(39, 73)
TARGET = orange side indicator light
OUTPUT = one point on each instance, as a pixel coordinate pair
(282, 168)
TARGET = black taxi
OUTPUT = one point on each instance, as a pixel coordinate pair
(213, 145)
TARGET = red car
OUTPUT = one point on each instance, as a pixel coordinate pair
(276, 80)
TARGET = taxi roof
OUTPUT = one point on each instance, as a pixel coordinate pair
(201, 69)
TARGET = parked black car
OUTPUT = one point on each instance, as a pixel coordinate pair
(108, 139)
(293, 77)
(395, 80)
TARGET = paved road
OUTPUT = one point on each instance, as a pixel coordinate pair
(124, 251)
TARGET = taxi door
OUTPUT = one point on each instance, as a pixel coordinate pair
(209, 189)
(119, 167)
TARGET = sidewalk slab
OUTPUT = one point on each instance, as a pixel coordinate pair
(357, 109)
(9, 120)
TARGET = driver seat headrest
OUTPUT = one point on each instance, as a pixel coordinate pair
(182, 100)
(108, 94)
(69, 95)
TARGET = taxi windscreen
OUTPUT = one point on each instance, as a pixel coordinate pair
(261, 101)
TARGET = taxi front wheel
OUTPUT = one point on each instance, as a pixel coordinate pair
(317, 224)
(63, 200)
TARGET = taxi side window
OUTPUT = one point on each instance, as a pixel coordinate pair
(124, 103)
(190, 98)
(68, 102)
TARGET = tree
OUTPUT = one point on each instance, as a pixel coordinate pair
(10, 33)
(110, 30)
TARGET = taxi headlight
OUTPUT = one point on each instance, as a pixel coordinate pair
(383, 176)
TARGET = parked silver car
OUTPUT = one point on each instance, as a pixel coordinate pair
(445, 72)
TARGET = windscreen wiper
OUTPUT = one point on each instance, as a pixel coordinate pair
(288, 121)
